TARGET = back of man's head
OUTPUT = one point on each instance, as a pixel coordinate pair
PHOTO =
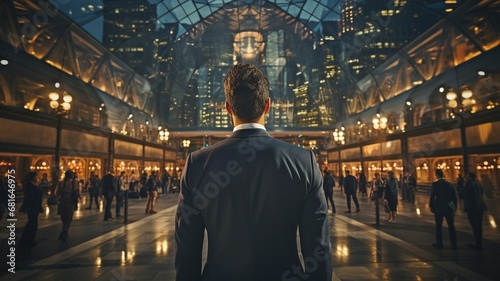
(247, 90)
(439, 173)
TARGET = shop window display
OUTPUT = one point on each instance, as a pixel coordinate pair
(372, 167)
(451, 166)
(126, 165)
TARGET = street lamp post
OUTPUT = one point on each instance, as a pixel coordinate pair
(164, 135)
(379, 124)
(460, 106)
(186, 144)
(339, 138)
(61, 108)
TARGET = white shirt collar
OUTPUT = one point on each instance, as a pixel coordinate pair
(249, 126)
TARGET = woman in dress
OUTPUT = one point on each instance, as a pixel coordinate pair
(391, 195)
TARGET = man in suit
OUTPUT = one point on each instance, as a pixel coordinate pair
(250, 193)
(120, 188)
(328, 184)
(108, 191)
(475, 206)
(350, 188)
(443, 202)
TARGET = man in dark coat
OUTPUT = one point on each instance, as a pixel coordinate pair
(443, 202)
(350, 188)
(328, 184)
(108, 191)
(475, 206)
(250, 193)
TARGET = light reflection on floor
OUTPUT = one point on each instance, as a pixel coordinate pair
(359, 250)
(492, 221)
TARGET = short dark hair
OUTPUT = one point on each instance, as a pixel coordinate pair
(472, 176)
(247, 90)
(69, 174)
(29, 177)
(439, 173)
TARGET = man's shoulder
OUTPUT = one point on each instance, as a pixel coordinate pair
(244, 145)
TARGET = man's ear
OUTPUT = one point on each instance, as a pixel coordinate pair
(268, 105)
(228, 108)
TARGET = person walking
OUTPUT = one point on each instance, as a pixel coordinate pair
(341, 181)
(165, 179)
(411, 184)
(120, 188)
(244, 191)
(475, 207)
(32, 206)
(391, 195)
(362, 184)
(108, 191)
(350, 189)
(91, 185)
(68, 194)
(328, 184)
(152, 189)
(45, 183)
(133, 182)
(143, 192)
(377, 187)
(443, 202)
(460, 186)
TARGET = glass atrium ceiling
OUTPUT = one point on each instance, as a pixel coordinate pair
(312, 13)
(311, 50)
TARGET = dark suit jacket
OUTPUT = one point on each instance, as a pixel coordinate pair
(442, 192)
(350, 184)
(108, 186)
(251, 192)
(473, 197)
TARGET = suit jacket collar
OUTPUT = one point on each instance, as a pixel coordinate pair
(245, 133)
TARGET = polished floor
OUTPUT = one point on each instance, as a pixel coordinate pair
(144, 248)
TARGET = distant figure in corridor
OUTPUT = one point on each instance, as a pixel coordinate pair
(250, 193)
(67, 192)
(391, 195)
(328, 184)
(350, 188)
(32, 206)
(362, 184)
(108, 191)
(475, 206)
(443, 202)
(92, 186)
(152, 189)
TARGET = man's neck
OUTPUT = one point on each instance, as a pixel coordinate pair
(237, 121)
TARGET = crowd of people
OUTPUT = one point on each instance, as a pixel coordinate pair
(67, 193)
(443, 201)
(262, 196)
